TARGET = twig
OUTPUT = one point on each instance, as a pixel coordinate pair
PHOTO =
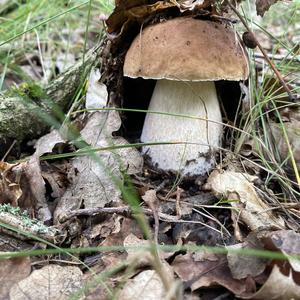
(178, 197)
(265, 54)
(123, 210)
(25, 230)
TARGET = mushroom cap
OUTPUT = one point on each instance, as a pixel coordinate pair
(187, 49)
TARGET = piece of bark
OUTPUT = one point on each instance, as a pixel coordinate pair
(21, 119)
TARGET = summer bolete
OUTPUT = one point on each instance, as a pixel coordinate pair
(185, 56)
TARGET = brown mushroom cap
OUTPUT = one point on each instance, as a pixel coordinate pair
(187, 49)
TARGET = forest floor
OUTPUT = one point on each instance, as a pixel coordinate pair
(83, 212)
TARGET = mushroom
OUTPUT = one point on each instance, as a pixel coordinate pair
(185, 56)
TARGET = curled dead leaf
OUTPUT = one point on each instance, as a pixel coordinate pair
(206, 272)
(285, 241)
(239, 188)
(278, 287)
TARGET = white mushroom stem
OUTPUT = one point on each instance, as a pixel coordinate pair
(186, 98)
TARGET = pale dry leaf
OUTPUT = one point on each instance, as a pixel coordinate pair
(147, 285)
(184, 5)
(278, 287)
(137, 254)
(151, 200)
(110, 225)
(92, 176)
(111, 259)
(96, 94)
(11, 272)
(47, 142)
(138, 251)
(239, 186)
(52, 282)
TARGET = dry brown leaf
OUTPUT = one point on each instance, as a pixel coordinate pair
(133, 10)
(12, 271)
(52, 282)
(10, 190)
(207, 273)
(33, 173)
(239, 186)
(110, 225)
(111, 259)
(278, 287)
(285, 241)
(263, 5)
(242, 266)
(126, 11)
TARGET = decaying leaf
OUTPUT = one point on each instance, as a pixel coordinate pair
(207, 273)
(239, 187)
(10, 190)
(285, 241)
(51, 282)
(92, 176)
(8, 243)
(139, 10)
(263, 5)
(142, 256)
(146, 285)
(292, 129)
(12, 271)
(32, 171)
(96, 94)
(111, 259)
(278, 287)
(242, 266)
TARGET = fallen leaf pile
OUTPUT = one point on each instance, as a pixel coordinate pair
(209, 238)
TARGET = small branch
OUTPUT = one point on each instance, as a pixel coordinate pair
(22, 229)
(124, 210)
(265, 54)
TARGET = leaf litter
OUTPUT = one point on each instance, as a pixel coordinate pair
(50, 190)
